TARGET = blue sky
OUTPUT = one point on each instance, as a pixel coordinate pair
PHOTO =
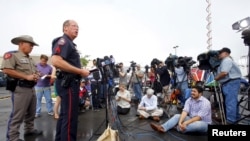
(137, 30)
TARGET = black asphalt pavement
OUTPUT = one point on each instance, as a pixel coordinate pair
(93, 123)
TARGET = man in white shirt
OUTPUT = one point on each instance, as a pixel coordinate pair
(148, 106)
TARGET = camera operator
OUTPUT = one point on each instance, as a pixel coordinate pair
(136, 79)
(228, 75)
(96, 86)
(163, 72)
(151, 75)
(122, 74)
(181, 81)
(180, 69)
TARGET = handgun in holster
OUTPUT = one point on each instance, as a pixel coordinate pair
(59, 74)
(66, 80)
(11, 83)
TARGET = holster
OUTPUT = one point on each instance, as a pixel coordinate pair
(67, 78)
(66, 81)
(11, 83)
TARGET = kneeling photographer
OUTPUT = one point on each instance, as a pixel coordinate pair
(164, 77)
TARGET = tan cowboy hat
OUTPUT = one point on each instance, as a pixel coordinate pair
(24, 38)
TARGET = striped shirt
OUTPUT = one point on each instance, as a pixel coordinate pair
(200, 107)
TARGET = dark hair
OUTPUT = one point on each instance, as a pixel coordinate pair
(44, 57)
(198, 88)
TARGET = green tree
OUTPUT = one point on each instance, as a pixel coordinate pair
(84, 60)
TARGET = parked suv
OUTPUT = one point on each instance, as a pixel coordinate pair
(2, 79)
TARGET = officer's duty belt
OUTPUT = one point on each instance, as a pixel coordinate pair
(26, 83)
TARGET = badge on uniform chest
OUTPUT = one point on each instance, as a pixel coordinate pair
(24, 61)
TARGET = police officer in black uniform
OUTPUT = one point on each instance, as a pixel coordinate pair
(66, 59)
(22, 77)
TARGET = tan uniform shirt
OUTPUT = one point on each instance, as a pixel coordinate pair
(19, 62)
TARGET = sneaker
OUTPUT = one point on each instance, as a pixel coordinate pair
(37, 115)
(96, 110)
(83, 111)
(51, 113)
(87, 108)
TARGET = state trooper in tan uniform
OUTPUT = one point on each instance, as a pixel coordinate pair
(21, 78)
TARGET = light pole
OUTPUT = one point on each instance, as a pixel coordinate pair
(175, 50)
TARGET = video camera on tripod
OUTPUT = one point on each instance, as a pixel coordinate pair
(146, 69)
(102, 62)
(107, 66)
(132, 66)
(175, 61)
(209, 60)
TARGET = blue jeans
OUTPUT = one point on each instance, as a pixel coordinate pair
(46, 92)
(137, 90)
(182, 86)
(197, 126)
(230, 92)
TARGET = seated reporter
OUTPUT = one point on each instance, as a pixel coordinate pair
(123, 99)
(195, 117)
(148, 106)
(84, 98)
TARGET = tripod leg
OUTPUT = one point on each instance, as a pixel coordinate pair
(221, 105)
(168, 110)
(244, 107)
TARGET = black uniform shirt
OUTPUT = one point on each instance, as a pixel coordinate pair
(64, 47)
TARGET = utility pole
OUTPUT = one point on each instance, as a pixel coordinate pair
(175, 50)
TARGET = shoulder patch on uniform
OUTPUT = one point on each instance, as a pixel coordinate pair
(7, 55)
(58, 50)
(61, 41)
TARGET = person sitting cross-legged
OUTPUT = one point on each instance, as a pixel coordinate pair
(195, 117)
(148, 106)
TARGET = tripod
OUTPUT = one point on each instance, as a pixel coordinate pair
(246, 95)
(105, 81)
(220, 100)
(175, 93)
(244, 105)
(137, 87)
(145, 80)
